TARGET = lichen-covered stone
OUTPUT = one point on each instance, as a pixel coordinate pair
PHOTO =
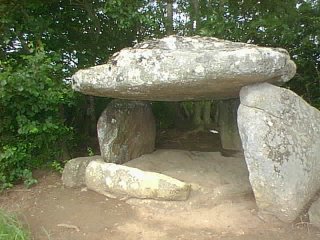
(126, 130)
(123, 181)
(314, 213)
(280, 134)
(185, 68)
(73, 174)
(228, 127)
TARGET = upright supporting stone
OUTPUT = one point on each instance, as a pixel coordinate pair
(126, 130)
(229, 133)
(280, 133)
(314, 213)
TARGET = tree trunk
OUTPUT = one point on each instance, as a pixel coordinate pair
(195, 16)
(197, 121)
(169, 27)
(206, 113)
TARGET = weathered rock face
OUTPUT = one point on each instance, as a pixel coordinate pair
(123, 181)
(228, 127)
(184, 68)
(314, 213)
(280, 134)
(126, 130)
(73, 174)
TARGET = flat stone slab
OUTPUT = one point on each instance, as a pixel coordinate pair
(123, 181)
(185, 68)
(280, 134)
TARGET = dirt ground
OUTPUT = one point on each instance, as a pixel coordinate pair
(221, 204)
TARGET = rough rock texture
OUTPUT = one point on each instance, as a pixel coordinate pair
(126, 130)
(280, 134)
(123, 181)
(228, 127)
(73, 174)
(314, 213)
(184, 68)
(206, 171)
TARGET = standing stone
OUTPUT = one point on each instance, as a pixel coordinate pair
(126, 130)
(179, 68)
(73, 174)
(228, 127)
(280, 134)
(314, 213)
(123, 181)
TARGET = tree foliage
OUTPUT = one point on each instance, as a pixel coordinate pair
(32, 129)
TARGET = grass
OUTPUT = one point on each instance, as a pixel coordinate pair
(11, 228)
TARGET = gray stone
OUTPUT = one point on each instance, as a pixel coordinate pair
(126, 130)
(228, 127)
(123, 181)
(314, 213)
(73, 174)
(280, 134)
(185, 68)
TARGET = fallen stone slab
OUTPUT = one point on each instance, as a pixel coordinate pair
(280, 134)
(178, 68)
(73, 174)
(126, 130)
(123, 181)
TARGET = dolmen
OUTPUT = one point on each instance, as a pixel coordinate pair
(185, 68)
(278, 132)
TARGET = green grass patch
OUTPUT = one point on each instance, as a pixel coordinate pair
(11, 228)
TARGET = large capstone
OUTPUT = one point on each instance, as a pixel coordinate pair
(123, 181)
(185, 68)
(280, 134)
(126, 130)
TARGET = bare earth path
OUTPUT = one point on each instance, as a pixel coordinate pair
(221, 206)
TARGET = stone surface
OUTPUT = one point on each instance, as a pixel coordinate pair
(314, 213)
(126, 130)
(214, 179)
(73, 174)
(184, 68)
(208, 171)
(123, 181)
(280, 134)
(228, 127)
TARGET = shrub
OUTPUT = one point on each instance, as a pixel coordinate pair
(32, 129)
